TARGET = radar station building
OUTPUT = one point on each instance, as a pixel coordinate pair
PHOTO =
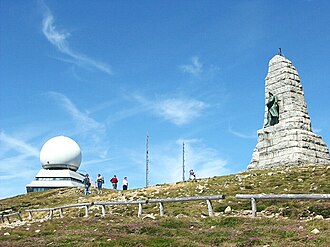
(60, 158)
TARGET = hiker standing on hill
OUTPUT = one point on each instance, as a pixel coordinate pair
(114, 182)
(99, 181)
(192, 174)
(125, 183)
(87, 183)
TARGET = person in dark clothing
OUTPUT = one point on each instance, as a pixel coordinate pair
(87, 183)
(100, 182)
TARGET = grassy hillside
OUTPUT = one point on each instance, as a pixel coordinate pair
(279, 223)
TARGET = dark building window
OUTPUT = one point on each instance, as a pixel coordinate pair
(38, 189)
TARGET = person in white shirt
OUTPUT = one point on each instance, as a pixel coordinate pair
(125, 183)
(192, 174)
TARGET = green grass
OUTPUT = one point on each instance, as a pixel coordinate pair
(292, 225)
(168, 231)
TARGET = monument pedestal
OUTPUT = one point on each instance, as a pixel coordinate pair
(278, 146)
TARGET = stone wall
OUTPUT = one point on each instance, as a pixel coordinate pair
(291, 141)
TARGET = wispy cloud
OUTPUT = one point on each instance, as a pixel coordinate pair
(85, 126)
(83, 122)
(194, 68)
(19, 161)
(20, 146)
(241, 135)
(179, 111)
(125, 113)
(59, 40)
(16, 156)
(166, 161)
(205, 161)
(316, 130)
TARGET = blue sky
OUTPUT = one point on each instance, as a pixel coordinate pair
(106, 73)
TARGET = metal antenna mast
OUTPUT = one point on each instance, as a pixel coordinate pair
(147, 161)
(183, 168)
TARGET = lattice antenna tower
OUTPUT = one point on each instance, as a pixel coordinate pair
(147, 161)
(183, 163)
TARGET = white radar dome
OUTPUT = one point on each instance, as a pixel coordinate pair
(60, 152)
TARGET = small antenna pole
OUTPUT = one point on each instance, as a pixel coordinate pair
(183, 165)
(147, 161)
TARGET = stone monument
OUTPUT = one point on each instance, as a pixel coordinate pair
(287, 138)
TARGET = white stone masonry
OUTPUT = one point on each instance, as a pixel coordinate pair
(291, 141)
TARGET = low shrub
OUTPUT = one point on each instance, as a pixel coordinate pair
(321, 209)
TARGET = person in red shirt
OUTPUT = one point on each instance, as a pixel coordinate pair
(114, 182)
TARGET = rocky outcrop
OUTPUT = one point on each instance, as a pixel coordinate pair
(290, 141)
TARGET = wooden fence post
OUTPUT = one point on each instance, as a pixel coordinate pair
(30, 215)
(103, 210)
(61, 212)
(51, 213)
(86, 211)
(161, 209)
(254, 207)
(8, 219)
(140, 210)
(209, 207)
(19, 216)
